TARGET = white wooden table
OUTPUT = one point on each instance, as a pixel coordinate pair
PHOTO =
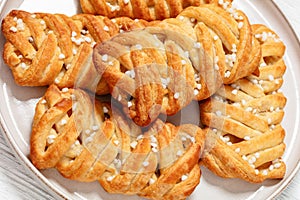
(17, 183)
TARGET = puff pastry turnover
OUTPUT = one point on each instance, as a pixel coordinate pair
(245, 138)
(202, 50)
(88, 141)
(43, 48)
(140, 9)
(165, 66)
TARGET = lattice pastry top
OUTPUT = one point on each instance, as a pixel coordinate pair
(90, 141)
(245, 138)
(240, 52)
(140, 9)
(43, 48)
(165, 66)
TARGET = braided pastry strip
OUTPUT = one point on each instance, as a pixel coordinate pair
(61, 118)
(245, 138)
(88, 143)
(241, 52)
(139, 9)
(162, 68)
(161, 164)
(43, 48)
(135, 66)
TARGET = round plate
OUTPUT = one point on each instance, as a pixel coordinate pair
(18, 104)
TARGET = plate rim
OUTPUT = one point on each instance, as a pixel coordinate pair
(54, 191)
(296, 169)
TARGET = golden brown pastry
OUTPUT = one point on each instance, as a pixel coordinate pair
(140, 9)
(162, 164)
(42, 48)
(65, 120)
(151, 68)
(137, 69)
(245, 138)
(240, 52)
(165, 66)
(89, 141)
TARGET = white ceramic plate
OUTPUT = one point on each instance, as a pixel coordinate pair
(18, 103)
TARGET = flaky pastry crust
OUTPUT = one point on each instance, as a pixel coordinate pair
(88, 141)
(165, 66)
(245, 138)
(151, 68)
(44, 48)
(140, 9)
(241, 52)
